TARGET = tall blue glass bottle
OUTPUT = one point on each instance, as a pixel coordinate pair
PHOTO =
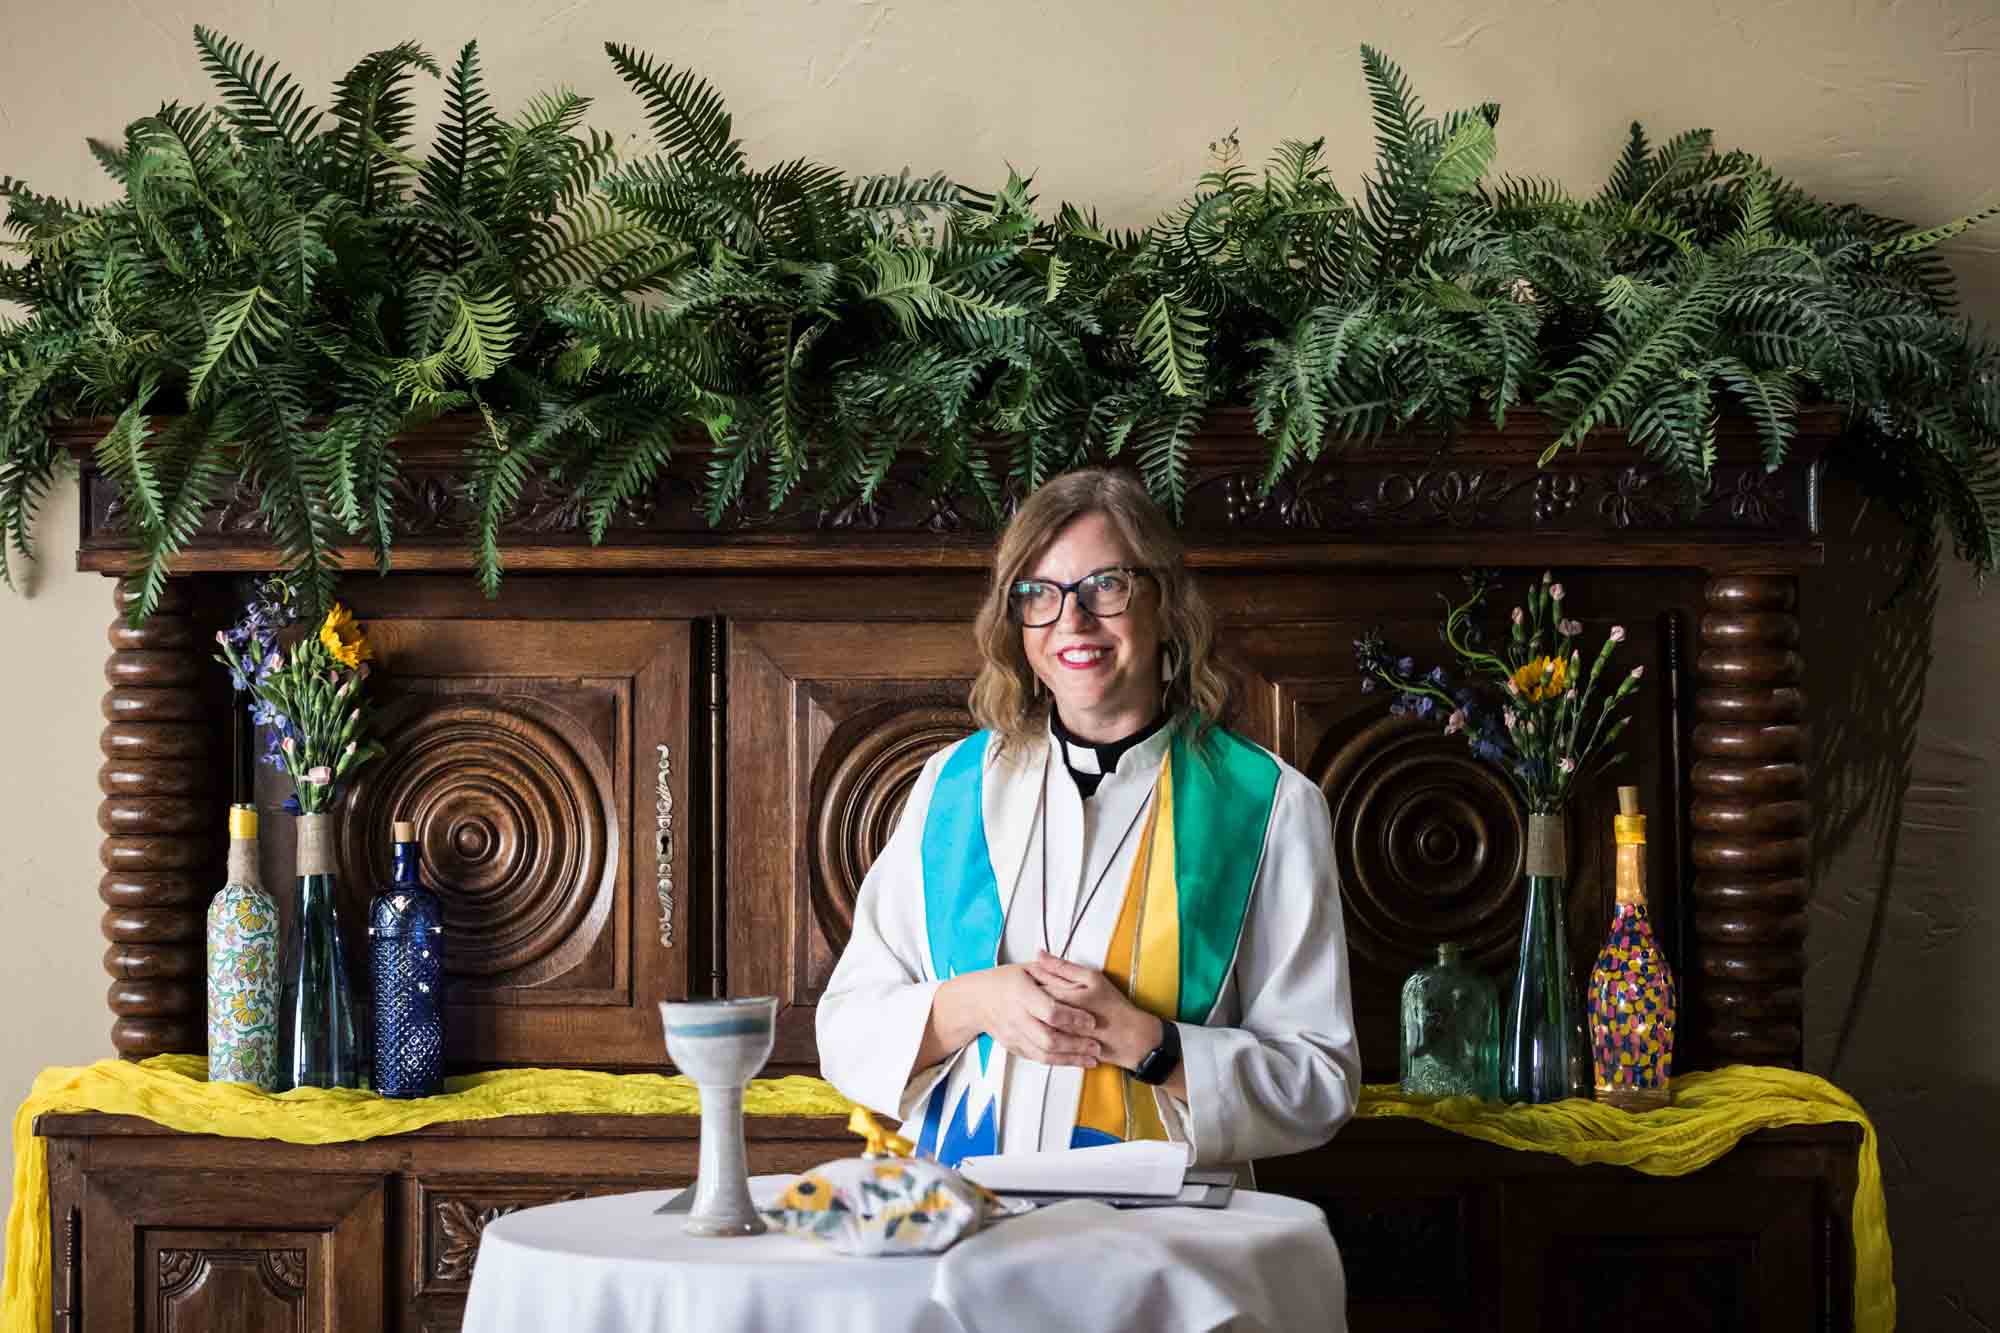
(406, 941)
(317, 1046)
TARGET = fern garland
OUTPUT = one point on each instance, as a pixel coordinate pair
(278, 292)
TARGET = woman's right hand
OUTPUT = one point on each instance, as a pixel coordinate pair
(1011, 1005)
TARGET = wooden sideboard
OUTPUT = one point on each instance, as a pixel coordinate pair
(157, 1230)
(658, 767)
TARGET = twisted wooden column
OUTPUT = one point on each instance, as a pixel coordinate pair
(1751, 824)
(160, 815)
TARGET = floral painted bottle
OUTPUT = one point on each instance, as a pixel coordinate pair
(243, 967)
(1631, 989)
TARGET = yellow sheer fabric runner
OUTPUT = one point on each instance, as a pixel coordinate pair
(1711, 1112)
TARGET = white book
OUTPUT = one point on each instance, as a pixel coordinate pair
(1146, 1167)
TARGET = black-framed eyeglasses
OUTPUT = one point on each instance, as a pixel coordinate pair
(1033, 603)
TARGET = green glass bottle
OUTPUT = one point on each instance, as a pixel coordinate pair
(318, 1047)
(1542, 1056)
(1450, 1017)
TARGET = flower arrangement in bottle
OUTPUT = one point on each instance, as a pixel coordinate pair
(309, 700)
(1535, 710)
(1525, 708)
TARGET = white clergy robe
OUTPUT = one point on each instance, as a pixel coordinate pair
(1273, 1066)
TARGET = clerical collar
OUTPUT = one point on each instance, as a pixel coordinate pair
(1089, 761)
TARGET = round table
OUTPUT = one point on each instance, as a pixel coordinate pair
(613, 1265)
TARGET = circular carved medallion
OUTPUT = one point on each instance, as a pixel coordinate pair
(1429, 842)
(512, 824)
(860, 784)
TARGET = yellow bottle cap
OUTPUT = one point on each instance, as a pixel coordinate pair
(242, 821)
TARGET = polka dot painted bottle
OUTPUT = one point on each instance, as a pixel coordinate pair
(1631, 1000)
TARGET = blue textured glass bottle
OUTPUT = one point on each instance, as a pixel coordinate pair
(406, 944)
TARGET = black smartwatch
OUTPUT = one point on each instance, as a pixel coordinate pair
(1159, 1064)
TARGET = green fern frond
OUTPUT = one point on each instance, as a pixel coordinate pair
(1463, 159)
(688, 117)
(1633, 172)
(481, 335)
(1912, 242)
(371, 109)
(264, 105)
(249, 324)
(1169, 338)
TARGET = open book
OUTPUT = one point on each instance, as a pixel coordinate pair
(1144, 1168)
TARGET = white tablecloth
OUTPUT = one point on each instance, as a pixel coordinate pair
(611, 1265)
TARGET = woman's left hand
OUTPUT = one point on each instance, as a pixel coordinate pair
(1125, 1032)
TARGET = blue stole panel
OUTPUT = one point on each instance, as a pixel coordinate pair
(963, 920)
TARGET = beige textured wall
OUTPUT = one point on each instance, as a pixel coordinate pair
(1895, 104)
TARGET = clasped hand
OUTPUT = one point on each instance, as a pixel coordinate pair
(1058, 1013)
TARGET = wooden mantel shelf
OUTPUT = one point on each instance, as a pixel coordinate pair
(1408, 501)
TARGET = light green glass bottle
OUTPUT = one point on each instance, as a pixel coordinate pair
(1450, 1021)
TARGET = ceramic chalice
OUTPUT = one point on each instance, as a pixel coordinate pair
(721, 1044)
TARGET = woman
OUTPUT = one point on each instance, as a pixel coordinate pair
(1102, 917)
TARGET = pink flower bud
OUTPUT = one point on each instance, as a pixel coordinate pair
(222, 637)
(1518, 616)
(354, 715)
(1568, 765)
(1527, 728)
(341, 693)
(1617, 634)
(1637, 672)
(273, 662)
(1507, 715)
(348, 753)
(320, 775)
(1513, 690)
(1556, 592)
(1455, 723)
(288, 747)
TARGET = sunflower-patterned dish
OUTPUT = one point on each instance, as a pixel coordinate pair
(883, 1203)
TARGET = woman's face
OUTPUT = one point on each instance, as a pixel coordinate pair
(1102, 672)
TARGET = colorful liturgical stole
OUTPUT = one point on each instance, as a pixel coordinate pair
(1171, 950)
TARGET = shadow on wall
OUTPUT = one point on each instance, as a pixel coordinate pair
(1866, 626)
(1899, 976)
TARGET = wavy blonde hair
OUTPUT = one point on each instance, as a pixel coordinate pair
(1007, 697)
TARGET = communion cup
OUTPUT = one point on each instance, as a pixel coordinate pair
(721, 1044)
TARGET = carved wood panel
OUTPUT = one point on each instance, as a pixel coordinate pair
(232, 1249)
(528, 755)
(206, 1281)
(453, 1212)
(1701, 1255)
(829, 724)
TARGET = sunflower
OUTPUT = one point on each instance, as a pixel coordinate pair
(1542, 678)
(342, 638)
(808, 1194)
